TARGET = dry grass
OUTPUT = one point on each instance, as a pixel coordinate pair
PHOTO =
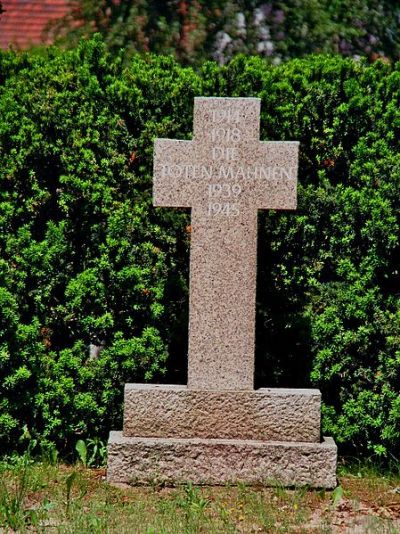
(37, 497)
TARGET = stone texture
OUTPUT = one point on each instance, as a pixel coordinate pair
(218, 429)
(264, 414)
(225, 175)
(206, 461)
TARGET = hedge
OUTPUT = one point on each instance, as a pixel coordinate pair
(93, 279)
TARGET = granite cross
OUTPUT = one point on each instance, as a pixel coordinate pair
(225, 174)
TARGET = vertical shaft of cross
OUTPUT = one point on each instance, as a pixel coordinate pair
(222, 303)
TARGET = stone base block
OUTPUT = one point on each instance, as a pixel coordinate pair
(154, 411)
(217, 461)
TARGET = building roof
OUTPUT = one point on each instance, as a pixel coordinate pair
(23, 22)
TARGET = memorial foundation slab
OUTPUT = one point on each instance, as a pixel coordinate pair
(212, 461)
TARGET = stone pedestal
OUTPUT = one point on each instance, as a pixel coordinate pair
(174, 435)
(219, 429)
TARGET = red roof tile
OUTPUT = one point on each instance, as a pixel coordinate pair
(23, 22)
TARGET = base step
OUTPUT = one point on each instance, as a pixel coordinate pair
(133, 460)
(152, 411)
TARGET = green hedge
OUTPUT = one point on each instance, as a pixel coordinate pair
(87, 262)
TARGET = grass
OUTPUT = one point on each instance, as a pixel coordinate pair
(41, 497)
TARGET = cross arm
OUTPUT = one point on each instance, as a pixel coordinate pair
(277, 179)
(172, 174)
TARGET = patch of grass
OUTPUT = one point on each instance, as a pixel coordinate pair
(41, 497)
(20, 481)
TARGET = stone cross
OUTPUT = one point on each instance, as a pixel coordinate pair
(225, 174)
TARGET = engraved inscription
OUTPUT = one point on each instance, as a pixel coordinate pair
(224, 190)
(226, 208)
(222, 193)
(226, 135)
(224, 153)
(226, 115)
(272, 174)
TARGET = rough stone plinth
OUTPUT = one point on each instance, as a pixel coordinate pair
(265, 414)
(211, 461)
